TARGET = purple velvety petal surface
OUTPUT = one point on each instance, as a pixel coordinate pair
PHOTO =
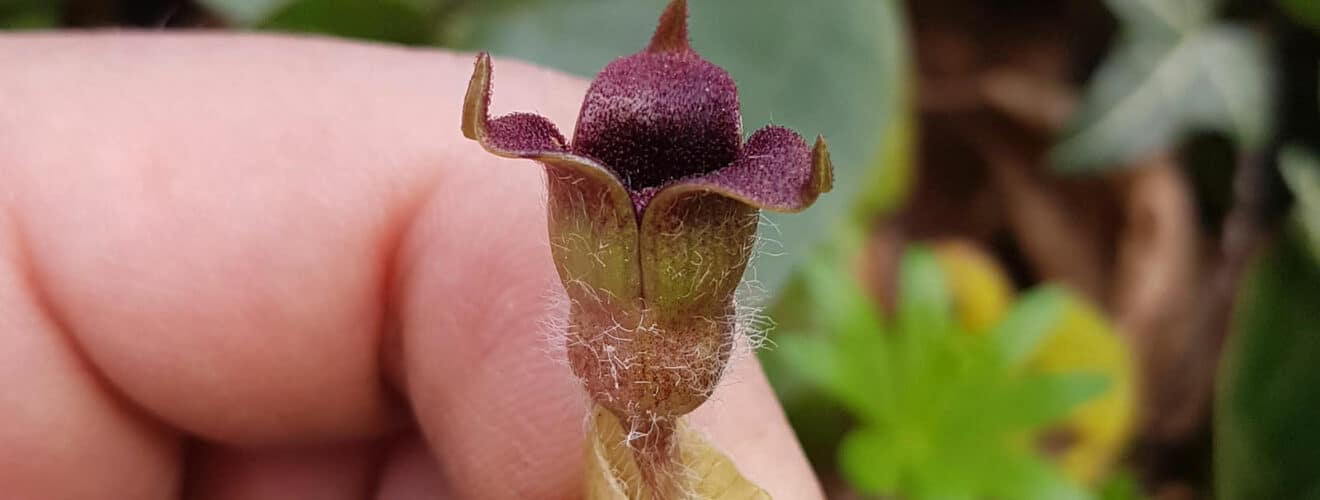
(658, 116)
(774, 171)
(524, 134)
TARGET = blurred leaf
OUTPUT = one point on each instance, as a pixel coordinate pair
(30, 14)
(836, 68)
(612, 473)
(982, 291)
(868, 460)
(1301, 171)
(841, 368)
(851, 363)
(1156, 86)
(1120, 486)
(1034, 315)
(1267, 443)
(925, 306)
(1038, 480)
(839, 300)
(941, 412)
(381, 20)
(1306, 12)
(1048, 398)
(1162, 17)
(245, 13)
(1083, 341)
(1052, 331)
(884, 185)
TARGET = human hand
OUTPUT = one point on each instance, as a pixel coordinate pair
(261, 267)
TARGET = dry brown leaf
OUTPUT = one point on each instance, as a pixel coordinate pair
(1061, 231)
(612, 472)
(1043, 105)
(1156, 271)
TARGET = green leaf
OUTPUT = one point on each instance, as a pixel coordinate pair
(870, 461)
(246, 13)
(851, 360)
(925, 305)
(1301, 171)
(846, 374)
(1045, 399)
(840, 303)
(843, 365)
(1306, 12)
(1120, 486)
(837, 69)
(1162, 16)
(1153, 90)
(30, 14)
(1267, 443)
(1028, 478)
(940, 414)
(380, 20)
(1023, 327)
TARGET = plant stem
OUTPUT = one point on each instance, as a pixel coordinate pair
(658, 460)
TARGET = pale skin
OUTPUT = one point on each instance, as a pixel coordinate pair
(258, 267)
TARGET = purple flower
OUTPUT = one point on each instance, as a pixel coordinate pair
(653, 208)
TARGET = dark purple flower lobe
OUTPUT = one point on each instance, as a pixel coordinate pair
(525, 133)
(662, 114)
(775, 171)
(518, 135)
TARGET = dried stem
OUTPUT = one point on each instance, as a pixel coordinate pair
(659, 461)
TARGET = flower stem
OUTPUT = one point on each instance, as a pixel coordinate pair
(660, 463)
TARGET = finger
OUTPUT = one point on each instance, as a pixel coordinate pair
(744, 420)
(235, 285)
(505, 416)
(61, 435)
(333, 472)
(394, 468)
(411, 472)
(220, 241)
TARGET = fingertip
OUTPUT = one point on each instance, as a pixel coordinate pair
(501, 411)
(63, 434)
(745, 420)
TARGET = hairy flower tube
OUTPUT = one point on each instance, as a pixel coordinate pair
(653, 209)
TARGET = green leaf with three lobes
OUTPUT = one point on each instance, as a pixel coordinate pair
(1267, 443)
(834, 68)
(1171, 73)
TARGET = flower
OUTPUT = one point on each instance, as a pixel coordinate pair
(653, 208)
